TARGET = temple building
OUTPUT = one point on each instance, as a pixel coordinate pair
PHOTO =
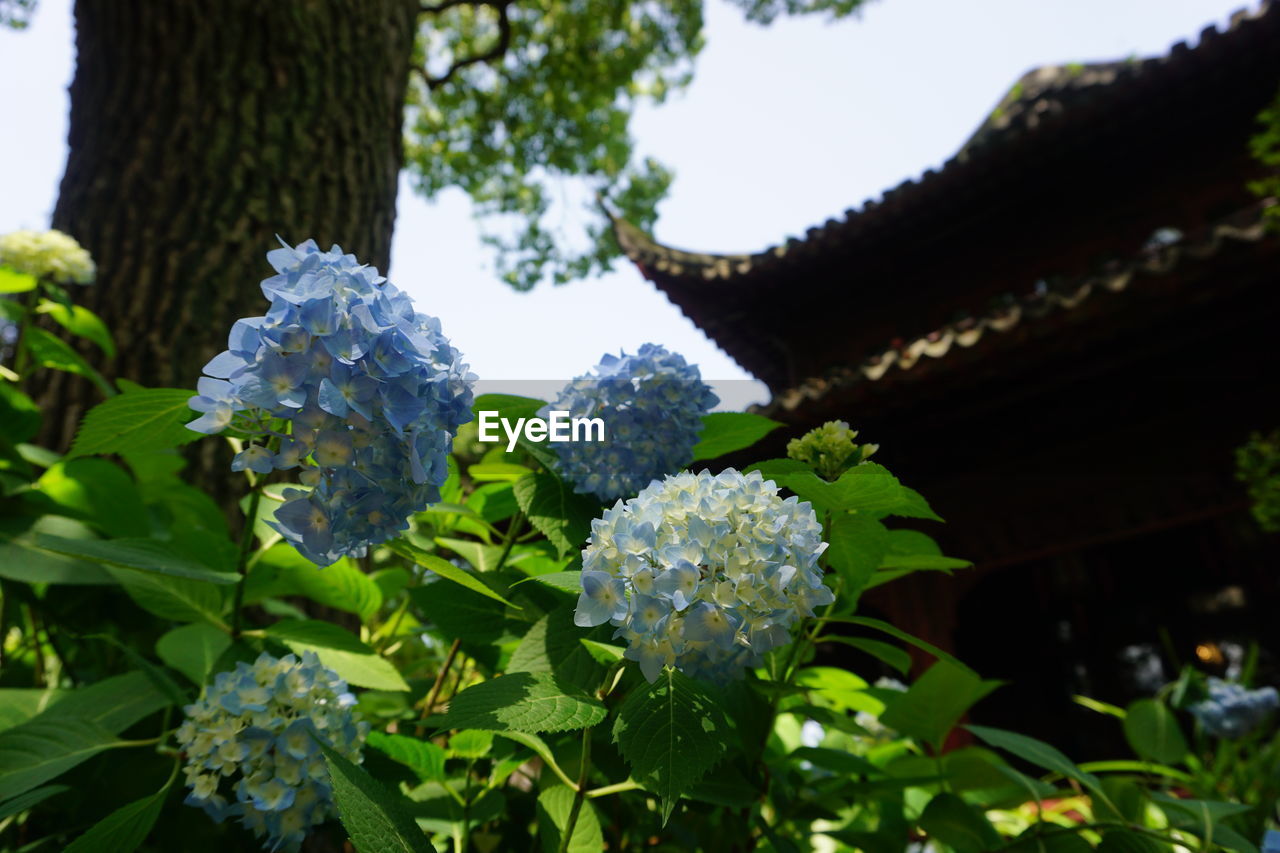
(1059, 337)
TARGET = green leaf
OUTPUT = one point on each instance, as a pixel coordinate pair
(725, 432)
(936, 702)
(504, 472)
(906, 541)
(554, 806)
(1036, 752)
(602, 652)
(494, 502)
(282, 571)
(339, 650)
(835, 760)
(954, 822)
(570, 582)
(22, 560)
(866, 488)
(375, 819)
(19, 414)
(48, 350)
(100, 492)
(893, 631)
(554, 644)
(508, 406)
(115, 703)
(137, 420)
(193, 650)
(29, 800)
(523, 702)
(80, 321)
(887, 653)
(124, 830)
(559, 514)
(12, 281)
(913, 505)
(858, 545)
(1124, 841)
(671, 733)
(777, 469)
(143, 555)
(422, 757)
(1034, 840)
(19, 704)
(40, 749)
(179, 599)
(923, 561)
(471, 743)
(1152, 731)
(483, 558)
(445, 569)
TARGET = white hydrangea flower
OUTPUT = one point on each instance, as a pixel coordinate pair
(251, 749)
(705, 573)
(49, 255)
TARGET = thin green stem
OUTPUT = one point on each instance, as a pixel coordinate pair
(513, 531)
(21, 356)
(434, 695)
(617, 788)
(242, 561)
(579, 794)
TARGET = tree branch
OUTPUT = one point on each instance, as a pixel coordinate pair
(499, 49)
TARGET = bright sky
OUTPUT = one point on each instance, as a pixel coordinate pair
(782, 128)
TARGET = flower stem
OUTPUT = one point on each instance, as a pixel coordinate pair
(242, 561)
(434, 695)
(20, 354)
(580, 794)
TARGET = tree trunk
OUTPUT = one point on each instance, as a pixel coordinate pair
(200, 129)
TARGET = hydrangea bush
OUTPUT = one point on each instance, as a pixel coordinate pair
(395, 643)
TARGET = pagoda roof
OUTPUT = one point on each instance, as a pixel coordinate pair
(1054, 120)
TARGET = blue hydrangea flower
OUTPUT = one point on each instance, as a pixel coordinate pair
(705, 573)
(1233, 711)
(652, 405)
(251, 751)
(345, 381)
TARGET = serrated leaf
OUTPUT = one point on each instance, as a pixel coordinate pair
(143, 555)
(866, 488)
(570, 582)
(422, 757)
(553, 644)
(1153, 732)
(138, 420)
(556, 511)
(671, 733)
(725, 432)
(124, 829)
(193, 650)
(554, 807)
(283, 571)
(48, 350)
(374, 818)
(523, 702)
(179, 599)
(445, 569)
(858, 545)
(99, 492)
(80, 321)
(40, 749)
(339, 650)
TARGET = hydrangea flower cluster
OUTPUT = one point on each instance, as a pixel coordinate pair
(345, 381)
(1232, 710)
(256, 730)
(830, 449)
(49, 255)
(705, 573)
(652, 405)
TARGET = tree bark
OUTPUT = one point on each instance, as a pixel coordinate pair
(199, 130)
